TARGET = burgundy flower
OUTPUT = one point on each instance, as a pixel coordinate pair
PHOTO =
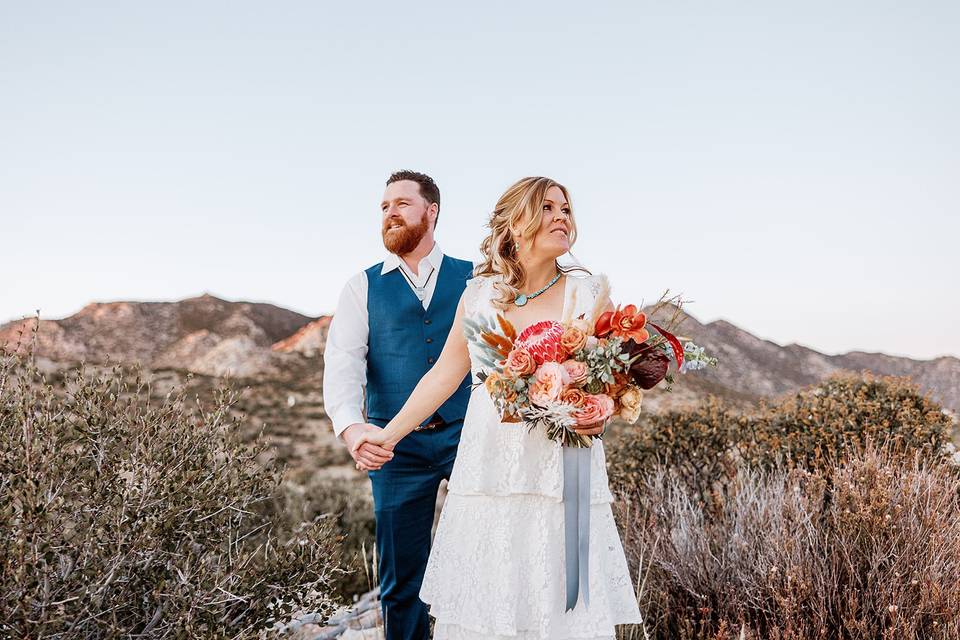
(651, 365)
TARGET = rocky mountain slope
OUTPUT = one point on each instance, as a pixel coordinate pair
(204, 334)
(259, 341)
(754, 367)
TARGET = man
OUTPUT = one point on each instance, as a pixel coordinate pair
(390, 325)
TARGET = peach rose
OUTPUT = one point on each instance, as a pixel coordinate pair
(573, 396)
(630, 401)
(596, 408)
(573, 340)
(492, 383)
(520, 362)
(551, 378)
(577, 372)
(553, 372)
(539, 394)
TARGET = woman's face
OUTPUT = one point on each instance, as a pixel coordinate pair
(553, 237)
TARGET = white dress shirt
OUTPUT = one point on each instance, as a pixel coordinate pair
(345, 355)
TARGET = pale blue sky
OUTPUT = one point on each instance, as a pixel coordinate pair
(791, 167)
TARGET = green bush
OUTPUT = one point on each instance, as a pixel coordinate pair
(811, 429)
(122, 516)
(699, 445)
(816, 427)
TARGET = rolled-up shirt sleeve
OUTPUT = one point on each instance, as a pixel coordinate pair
(345, 356)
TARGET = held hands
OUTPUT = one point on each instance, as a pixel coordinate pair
(371, 449)
(367, 446)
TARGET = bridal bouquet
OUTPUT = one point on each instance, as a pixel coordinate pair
(580, 372)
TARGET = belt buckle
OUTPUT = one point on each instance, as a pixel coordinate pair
(430, 425)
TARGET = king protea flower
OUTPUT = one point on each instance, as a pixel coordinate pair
(542, 340)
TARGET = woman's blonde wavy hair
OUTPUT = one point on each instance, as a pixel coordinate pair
(520, 210)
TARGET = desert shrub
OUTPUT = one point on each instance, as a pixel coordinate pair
(123, 516)
(811, 429)
(348, 504)
(815, 427)
(700, 446)
(868, 549)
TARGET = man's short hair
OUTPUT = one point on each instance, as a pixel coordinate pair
(429, 190)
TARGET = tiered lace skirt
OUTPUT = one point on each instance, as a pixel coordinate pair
(496, 570)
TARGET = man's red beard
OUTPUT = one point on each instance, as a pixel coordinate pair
(405, 239)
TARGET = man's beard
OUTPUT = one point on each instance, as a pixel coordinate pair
(405, 239)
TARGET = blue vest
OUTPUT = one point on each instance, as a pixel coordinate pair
(406, 339)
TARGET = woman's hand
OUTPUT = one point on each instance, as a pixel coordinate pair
(377, 437)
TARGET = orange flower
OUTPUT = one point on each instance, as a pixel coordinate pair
(492, 383)
(620, 383)
(573, 340)
(500, 385)
(573, 396)
(603, 326)
(520, 362)
(630, 401)
(627, 323)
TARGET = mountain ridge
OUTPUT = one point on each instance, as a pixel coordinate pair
(213, 336)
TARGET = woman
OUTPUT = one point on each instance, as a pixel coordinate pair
(496, 567)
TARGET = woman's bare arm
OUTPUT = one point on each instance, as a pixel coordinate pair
(434, 388)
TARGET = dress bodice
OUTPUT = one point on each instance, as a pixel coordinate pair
(498, 458)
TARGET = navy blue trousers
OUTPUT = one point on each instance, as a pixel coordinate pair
(404, 502)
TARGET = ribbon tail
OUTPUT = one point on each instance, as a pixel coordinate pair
(571, 478)
(583, 521)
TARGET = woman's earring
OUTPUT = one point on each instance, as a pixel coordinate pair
(516, 246)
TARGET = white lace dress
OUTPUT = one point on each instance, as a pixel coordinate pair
(496, 568)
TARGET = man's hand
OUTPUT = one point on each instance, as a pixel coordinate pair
(367, 456)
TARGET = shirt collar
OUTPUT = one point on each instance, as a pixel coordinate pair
(433, 259)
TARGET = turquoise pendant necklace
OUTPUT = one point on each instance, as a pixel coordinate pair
(524, 298)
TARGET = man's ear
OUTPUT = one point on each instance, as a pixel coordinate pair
(433, 211)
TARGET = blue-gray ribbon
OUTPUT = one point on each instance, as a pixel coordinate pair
(576, 522)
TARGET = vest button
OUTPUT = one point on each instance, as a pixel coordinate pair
(427, 321)
(430, 360)
(429, 340)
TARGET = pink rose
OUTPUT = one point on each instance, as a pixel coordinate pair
(520, 362)
(550, 380)
(577, 371)
(596, 408)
